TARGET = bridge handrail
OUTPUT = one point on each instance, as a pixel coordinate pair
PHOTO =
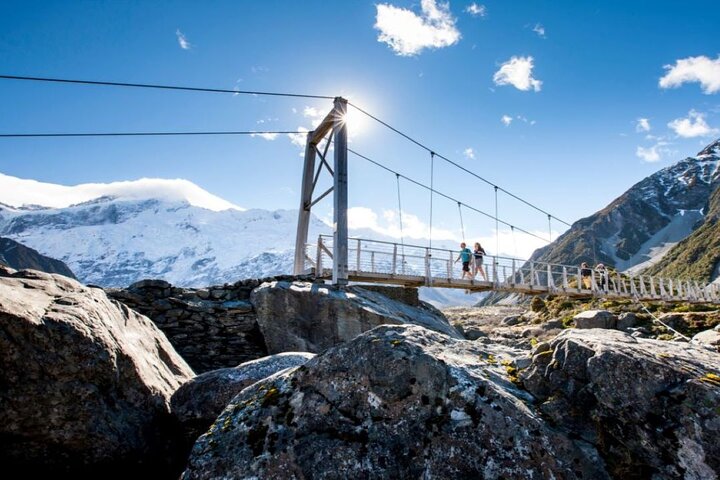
(503, 272)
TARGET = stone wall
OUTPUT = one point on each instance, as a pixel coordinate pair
(211, 328)
(215, 327)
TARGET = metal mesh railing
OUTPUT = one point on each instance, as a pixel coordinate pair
(374, 259)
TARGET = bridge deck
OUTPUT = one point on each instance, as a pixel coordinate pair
(373, 261)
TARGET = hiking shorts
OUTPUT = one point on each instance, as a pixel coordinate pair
(478, 262)
(466, 266)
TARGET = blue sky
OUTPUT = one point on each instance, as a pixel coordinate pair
(544, 98)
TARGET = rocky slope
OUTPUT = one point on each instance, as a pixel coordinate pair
(641, 225)
(698, 255)
(85, 383)
(18, 256)
(406, 402)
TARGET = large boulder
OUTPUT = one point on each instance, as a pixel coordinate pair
(308, 317)
(395, 402)
(708, 337)
(85, 383)
(595, 319)
(200, 400)
(650, 407)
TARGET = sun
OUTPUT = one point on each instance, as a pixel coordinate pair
(356, 121)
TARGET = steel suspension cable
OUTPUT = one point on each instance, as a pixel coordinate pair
(550, 227)
(420, 184)
(462, 225)
(145, 134)
(163, 87)
(425, 147)
(432, 180)
(497, 226)
(402, 236)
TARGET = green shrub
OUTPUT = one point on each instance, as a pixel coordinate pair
(537, 304)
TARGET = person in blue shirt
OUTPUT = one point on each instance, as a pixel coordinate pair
(465, 255)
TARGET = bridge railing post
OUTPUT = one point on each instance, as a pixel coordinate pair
(358, 256)
(428, 276)
(450, 265)
(532, 274)
(394, 259)
(550, 280)
(579, 280)
(319, 262)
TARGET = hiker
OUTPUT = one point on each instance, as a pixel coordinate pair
(465, 254)
(586, 275)
(478, 253)
(602, 272)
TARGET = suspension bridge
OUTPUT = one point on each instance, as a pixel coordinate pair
(341, 259)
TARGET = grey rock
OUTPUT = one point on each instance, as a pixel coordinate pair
(301, 316)
(160, 284)
(511, 320)
(199, 401)
(626, 320)
(595, 319)
(473, 333)
(522, 362)
(650, 407)
(541, 347)
(85, 382)
(677, 321)
(554, 324)
(395, 402)
(708, 337)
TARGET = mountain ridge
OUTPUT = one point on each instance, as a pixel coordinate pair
(652, 215)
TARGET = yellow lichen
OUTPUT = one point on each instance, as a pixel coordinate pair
(711, 378)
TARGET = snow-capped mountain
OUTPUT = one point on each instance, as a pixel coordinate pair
(638, 228)
(150, 228)
(123, 232)
(114, 242)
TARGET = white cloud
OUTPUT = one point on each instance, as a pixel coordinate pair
(540, 30)
(389, 224)
(266, 136)
(648, 154)
(506, 120)
(409, 34)
(299, 139)
(311, 112)
(642, 125)
(476, 10)
(654, 153)
(693, 69)
(692, 126)
(182, 41)
(517, 72)
(469, 153)
(17, 192)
